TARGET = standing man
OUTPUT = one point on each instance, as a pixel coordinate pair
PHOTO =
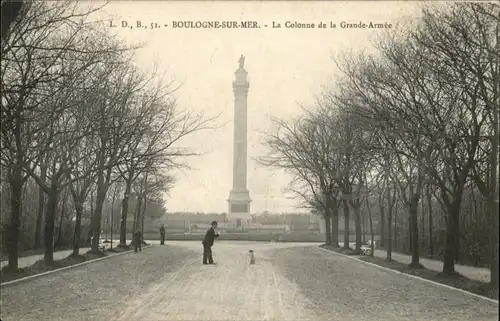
(138, 240)
(162, 235)
(208, 242)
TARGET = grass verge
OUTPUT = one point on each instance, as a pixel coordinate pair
(117, 249)
(40, 267)
(457, 280)
(340, 250)
(5, 256)
(480, 263)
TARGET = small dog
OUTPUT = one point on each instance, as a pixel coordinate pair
(252, 257)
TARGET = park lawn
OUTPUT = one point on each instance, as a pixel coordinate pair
(40, 266)
(457, 281)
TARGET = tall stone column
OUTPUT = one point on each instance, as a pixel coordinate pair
(239, 196)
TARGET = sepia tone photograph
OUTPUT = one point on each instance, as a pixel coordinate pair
(249, 160)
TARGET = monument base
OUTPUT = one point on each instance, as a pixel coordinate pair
(239, 201)
(239, 220)
(239, 208)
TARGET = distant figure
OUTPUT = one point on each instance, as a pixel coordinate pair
(252, 257)
(208, 242)
(162, 235)
(137, 240)
(241, 61)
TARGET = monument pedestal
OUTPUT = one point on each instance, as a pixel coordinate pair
(239, 208)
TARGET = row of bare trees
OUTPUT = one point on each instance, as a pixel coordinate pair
(81, 121)
(151, 207)
(473, 243)
(415, 123)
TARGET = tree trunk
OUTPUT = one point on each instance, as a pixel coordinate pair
(112, 216)
(363, 227)
(370, 221)
(78, 227)
(50, 216)
(389, 225)
(92, 206)
(137, 213)
(16, 185)
(389, 237)
(92, 217)
(135, 223)
(475, 222)
(357, 222)
(144, 192)
(61, 221)
(335, 223)
(494, 179)
(123, 219)
(409, 233)
(452, 233)
(102, 188)
(106, 225)
(431, 218)
(421, 227)
(346, 224)
(415, 255)
(143, 216)
(382, 224)
(494, 266)
(112, 222)
(494, 250)
(59, 231)
(41, 208)
(328, 229)
(395, 228)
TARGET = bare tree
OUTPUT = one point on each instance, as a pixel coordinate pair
(30, 64)
(478, 26)
(116, 124)
(158, 129)
(304, 149)
(116, 191)
(449, 38)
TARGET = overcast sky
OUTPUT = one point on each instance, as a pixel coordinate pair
(286, 67)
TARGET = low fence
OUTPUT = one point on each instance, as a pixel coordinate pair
(235, 230)
(195, 231)
(202, 228)
(256, 237)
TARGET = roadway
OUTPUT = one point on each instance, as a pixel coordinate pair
(290, 281)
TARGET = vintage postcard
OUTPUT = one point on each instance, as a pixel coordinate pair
(249, 160)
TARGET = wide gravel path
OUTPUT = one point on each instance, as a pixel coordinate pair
(95, 291)
(290, 281)
(344, 289)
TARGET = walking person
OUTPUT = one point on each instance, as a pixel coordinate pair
(138, 240)
(208, 242)
(162, 235)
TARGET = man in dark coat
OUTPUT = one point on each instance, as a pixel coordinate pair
(138, 240)
(162, 235)
(208, 242)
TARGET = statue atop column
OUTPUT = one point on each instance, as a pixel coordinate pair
(241, 61)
